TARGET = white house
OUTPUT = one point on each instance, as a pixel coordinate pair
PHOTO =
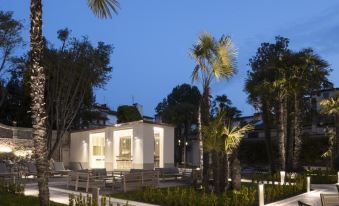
(134, 145)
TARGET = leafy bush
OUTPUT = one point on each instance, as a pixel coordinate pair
(246, 196)
(322, 177)
(19, 200)
(88, 200)
(7, 187)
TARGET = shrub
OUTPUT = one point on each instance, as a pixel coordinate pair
(7, 187)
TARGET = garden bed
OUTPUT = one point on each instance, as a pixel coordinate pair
(180, 196)
(19, 200)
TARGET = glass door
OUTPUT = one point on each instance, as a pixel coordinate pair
(97, 147)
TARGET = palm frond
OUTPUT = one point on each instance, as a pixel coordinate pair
(103, 8)
(330, 106)
(234, 134)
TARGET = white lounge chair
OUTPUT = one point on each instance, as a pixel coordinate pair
(59, 168)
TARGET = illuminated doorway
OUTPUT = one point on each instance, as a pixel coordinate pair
(97, 150)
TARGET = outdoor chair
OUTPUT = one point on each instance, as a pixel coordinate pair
(31, 170)
(59, 168)
(5, 173)
(169, 173)
(138, 180)
(302, 204)
(329, 199)
(84, 179)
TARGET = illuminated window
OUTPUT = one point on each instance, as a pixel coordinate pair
(125, 146)
(98, 145)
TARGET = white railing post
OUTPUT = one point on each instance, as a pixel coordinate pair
(282, 177)
(261, 194)
(308, 184)
(338, 177)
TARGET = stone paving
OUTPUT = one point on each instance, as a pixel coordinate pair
(311, 198)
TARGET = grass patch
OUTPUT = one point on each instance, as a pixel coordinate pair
(20, 200)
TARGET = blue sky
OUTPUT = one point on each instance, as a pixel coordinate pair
(152, 39)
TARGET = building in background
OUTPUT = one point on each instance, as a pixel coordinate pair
(133, 145)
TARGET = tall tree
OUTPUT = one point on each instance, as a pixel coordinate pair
(102, 9)
(261, 93)
(10, 38)
(180, 108)
(308, 73)
(72, 72)
(222, 102)
(215, 59)
(330, 106)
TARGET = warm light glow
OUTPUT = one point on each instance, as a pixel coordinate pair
(5, 149)
(23, 153)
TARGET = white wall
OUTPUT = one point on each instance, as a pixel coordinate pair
(168, 146)
(148, 145)
(79, 147)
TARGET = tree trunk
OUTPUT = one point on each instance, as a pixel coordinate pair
(235, 171)
(205, 116)
(222, 173)
(38, 101)
(267, 131)
(215, 168)
(289, 136)
(226, 170)
(297, 131)
(336, 139)
(281, 134)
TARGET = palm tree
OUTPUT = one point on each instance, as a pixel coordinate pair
(101, 8)
(259, 86)
(330, 106)
(222, 137)
(215, 59)
(233, 135)
(308, 72)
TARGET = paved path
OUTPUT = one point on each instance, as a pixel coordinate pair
(311, 198)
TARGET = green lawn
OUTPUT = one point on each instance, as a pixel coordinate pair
(21, 200)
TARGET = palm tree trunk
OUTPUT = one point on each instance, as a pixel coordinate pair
(281, 133)
(222, 173)
(235, 171)
(215, 167)
(37, 87)
(297, 131)
(336, 137)
(267, 131)
(205, 114)
(289, 136)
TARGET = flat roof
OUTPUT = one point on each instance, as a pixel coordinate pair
(123, 124)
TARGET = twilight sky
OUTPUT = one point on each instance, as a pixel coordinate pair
(152, 39)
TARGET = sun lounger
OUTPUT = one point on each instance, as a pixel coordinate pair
(302, 204)
(5, 173)
(31, 169)
(84, 179)
(59, 168)
(329, 199)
